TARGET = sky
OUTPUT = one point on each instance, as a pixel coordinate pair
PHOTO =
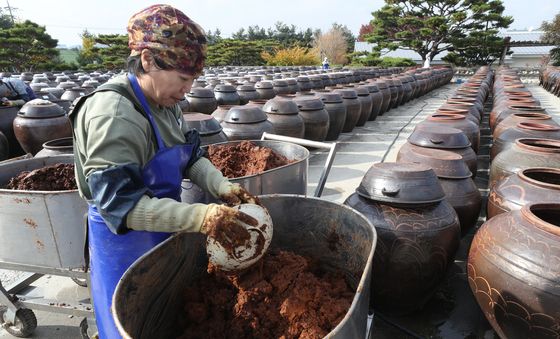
(65, 20)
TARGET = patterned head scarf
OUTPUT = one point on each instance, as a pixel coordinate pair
(170, 35)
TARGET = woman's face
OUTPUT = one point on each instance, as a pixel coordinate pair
(169, 87)
(163, 87)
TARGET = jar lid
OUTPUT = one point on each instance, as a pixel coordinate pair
(279, 83)
(309, 103)
(246, 88)
(362, 91)
(200, 92)
(445, 164)
(247, 114)
(264, 85)
(225, 88)
(39, 108)
(330, 97)
(402, 183)
(441, 137)
(204, 123)
(347, 93)
(281, 105)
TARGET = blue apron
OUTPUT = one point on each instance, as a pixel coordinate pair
(111, 254)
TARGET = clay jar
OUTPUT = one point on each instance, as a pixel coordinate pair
(280, 87)
(283, 113)
(7, 115)
(265, 90)
(418, 233)
(366, 103)
(523, 130)
(496, 118)
(39, 121)
(304, 84)
(334, 105)
(376, 100)
(220, 112)
(400, 92)
(226, 94)
(56, 147)
(514, 271)
(247, 92)
(527, 186)
(353, 108)
(386, 93)
(515, 118)
(456, 121)
(525, 153)
(4, 147)
(208, 127)
(202, 100)
(455, 179)
(73, 93)
(246, 123)
(394, 93)
(446, 110)
(445, 138)
(463, 108)
(315, 117)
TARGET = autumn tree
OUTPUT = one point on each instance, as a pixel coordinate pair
(365, 30)
(332, 44)
(432, 26)
(347, 34)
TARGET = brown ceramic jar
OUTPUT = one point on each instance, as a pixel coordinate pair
(315, 117)
(531, 185)
(247, 122)
(366, 103)
(57, 147)
(247, 92)
(525, 153)
(523, 130)
(514, 271)
(455, 179)
(202, 100)
(455, 121)
(515, 118)
(501, 115)
(265, 89)
(7, 116)
(226, 95)
(445, 138)
(386, 93)
(334, 105)
(220, 112)
(208, 127)
(283, 113)
(39, 121)
(353, 108)
(4, 147)
(418, 234)
(376, 100)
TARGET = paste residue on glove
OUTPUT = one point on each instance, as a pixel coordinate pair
(283, 297)
(244, 158)
(229, 234)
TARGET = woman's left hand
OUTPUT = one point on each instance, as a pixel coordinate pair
(235, 194)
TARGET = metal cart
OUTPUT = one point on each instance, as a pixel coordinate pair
(41, 233)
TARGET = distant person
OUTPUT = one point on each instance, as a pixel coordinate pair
(325, 63)
(15, 92)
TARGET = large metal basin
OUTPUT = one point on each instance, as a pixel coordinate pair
(148, 299)
(40, 228)
(288, 179)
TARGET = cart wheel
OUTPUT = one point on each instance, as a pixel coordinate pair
(25, 323)
(80, 282)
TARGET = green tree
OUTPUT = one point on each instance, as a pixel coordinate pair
(239, 52)
(213, 37)
(552, 35)
(112, 51)
(432, 26)
(477, 48)
(87, 55)
(27, 47)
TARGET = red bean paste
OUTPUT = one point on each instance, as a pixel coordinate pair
(279, 297)
(58, 177)
(244, 158)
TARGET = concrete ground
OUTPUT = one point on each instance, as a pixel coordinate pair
(375, 142)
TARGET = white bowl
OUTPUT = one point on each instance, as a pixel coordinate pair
(243, 257)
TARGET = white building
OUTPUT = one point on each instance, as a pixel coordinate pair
(522, 56)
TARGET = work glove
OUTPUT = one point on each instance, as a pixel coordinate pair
(223, 224)
(13, 102)
(235, 194)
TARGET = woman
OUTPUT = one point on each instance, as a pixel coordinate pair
(132, 152)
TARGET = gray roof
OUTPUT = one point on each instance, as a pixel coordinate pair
(522, 35)
(530, 51)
